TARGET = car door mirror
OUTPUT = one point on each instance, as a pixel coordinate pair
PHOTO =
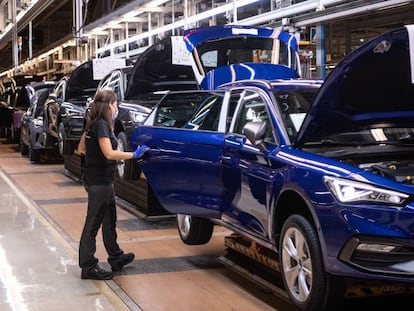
(255, 132)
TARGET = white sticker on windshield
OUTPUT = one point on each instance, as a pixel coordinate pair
(410, 29)
(297, 119)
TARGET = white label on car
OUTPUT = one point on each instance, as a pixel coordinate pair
(180, 53)
(102, 66)
(410, 29)
(245, 31)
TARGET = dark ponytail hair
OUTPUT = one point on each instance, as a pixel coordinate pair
(99, 107)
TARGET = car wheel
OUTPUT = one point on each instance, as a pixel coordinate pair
(194, 230)
(65, 147)
(34, 155)
(301, 265)
(127, 169)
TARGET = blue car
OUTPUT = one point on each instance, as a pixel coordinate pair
(320, 173)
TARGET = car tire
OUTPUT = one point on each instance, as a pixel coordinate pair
(65, 147)
(307, 283)
(194, 230)
(126, 169)
(34, 155)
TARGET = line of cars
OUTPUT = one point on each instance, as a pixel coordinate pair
(15, 98)
(53, 123)
(187, 63)
(321, 173)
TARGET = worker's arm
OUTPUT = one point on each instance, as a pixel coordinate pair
(82, 145)
(111, 154)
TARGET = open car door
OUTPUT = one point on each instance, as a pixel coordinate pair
(183, 167)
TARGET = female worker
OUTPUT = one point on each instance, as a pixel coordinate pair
(99, 145)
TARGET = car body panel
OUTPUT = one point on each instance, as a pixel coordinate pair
(11, 110)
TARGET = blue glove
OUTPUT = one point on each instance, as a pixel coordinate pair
(139, 152)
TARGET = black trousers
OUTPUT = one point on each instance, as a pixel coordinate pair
(101, 211)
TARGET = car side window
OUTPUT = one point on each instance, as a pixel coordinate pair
(199, 110)
(207, 116)
(252, 108)
(175, 110)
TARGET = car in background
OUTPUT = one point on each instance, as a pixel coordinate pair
(325, 182)
(31, 136)
(64, 120)
(25, 98)
(65, 109)
(10, 109)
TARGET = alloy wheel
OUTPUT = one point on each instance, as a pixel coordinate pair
(297, 264)
(184, 224)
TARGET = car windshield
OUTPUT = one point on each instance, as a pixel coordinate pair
(227, 51)
(294, 105)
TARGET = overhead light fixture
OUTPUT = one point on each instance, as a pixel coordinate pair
(178, 24)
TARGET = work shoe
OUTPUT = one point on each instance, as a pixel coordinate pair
(123, 261)
(96, 273)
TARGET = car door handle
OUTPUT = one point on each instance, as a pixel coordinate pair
(154, 150)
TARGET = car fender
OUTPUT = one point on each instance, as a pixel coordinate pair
(278, 212)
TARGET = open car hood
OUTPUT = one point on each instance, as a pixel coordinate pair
(81, 82)
(370, 88)
(246, 71)
(193, 37)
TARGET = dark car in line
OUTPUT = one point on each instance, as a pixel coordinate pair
(26, 98)
(12, 107)
(31, 136)
(66, 107)
(325, 182)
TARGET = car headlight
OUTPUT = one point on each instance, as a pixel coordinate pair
(138, 117)
(349, 191)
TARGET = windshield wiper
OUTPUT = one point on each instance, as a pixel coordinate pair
(333, 143)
